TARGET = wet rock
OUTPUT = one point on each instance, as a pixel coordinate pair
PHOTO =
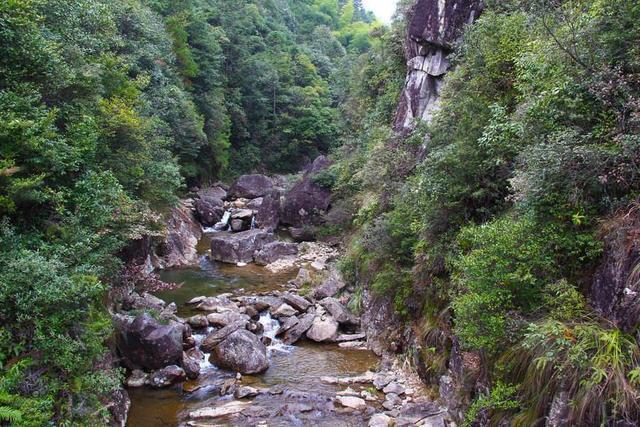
(198, 321)
(330, 286)
(339, 312)
(267, 341)
(246, 391)
(323, 329)
(296, 301)
(209, 211)
(226, 318)
(238, 225)
(215, 338)
(295, 333)
(137, 379)
(286, 324)
(352, 402)
(191, 366)
(255, 327)
(251, 187)
(219, 304)
(167, 376)
(241, 351)
(268, 216)
(242, 214)
(306, 201)
(285, 310)
(252, 312)
(380, 420)
(227, 409)
(147, 344)
(272, 252)
(229, 386)
(239, 247)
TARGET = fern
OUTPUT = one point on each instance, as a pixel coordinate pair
(10, 415)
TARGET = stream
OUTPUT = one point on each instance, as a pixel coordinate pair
(293, 377)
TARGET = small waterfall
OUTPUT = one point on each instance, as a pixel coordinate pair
(224, 222)
(271, 327)
(253, 223)
(205, 365)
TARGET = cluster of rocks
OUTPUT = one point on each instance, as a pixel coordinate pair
(262, 202)
(389, 399)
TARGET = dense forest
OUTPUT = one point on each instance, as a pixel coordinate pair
(490, 227)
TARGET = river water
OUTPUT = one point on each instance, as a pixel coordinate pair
(296, 369)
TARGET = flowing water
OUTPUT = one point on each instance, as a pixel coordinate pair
(297, 369)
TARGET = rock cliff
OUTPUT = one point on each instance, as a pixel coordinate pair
(433, 28)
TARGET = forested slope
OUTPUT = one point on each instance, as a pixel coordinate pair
(505, 227)
(108, 111)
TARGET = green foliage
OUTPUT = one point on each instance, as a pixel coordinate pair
(501, 398)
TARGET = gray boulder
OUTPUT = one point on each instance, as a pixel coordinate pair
(296, 301)
(239, 247)
(145, 343)
(323, 329)
(215, 338)
(251, 187)
(306, 201)
(339, 312)
(271, 252)
(241, 351)
(209, 211)
(268, 216)
(297, 331)
(330, 286)
(167, 376)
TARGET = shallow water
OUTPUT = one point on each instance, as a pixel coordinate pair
(298, 368)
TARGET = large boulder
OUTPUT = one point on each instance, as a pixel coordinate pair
(239, 247)
(298, 329)
(271, 252)
(339, 312)
(215, 338)
(179, 248)
(268, 216)
(146, 344)
(306, 201)
(209, 211)
(330, 286)
(323, 329)
(241, 351)
(216, 192)
(251, 187)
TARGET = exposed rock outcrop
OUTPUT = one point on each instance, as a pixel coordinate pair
(616, 285)
(433, 29)
(306, 201)
(179, 246)
(239, 247)
(251, 187)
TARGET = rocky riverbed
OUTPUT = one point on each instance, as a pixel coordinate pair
(260, 331)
